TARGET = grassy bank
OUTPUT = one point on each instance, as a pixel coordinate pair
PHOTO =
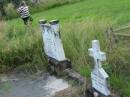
(11, 11)
(80, 24)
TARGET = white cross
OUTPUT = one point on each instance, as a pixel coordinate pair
(98, 75)
(97, 54)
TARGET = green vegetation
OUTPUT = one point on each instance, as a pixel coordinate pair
(8, 8)
(80, 23)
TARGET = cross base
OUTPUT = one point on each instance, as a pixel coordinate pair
(91, 92)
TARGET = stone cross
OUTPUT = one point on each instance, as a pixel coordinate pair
(52, 40)
(98, 75)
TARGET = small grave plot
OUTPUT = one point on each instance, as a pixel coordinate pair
(118, 38)
(100, 86)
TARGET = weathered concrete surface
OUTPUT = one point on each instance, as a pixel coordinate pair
(37, 85)
(70, 92)
(42, 85)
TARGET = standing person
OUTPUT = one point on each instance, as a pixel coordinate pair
(24, 13)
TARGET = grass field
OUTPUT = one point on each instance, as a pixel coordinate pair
(80, 23)
(115, 10)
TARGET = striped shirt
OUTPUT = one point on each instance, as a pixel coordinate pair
(24, 11)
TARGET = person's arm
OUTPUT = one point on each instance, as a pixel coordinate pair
(19, 11)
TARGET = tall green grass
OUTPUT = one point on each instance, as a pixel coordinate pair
(20, 47)
(77, 39)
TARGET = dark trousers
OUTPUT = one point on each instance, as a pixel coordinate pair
(27, 19)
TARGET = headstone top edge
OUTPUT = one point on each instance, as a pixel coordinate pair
(42, 21)
(96, 45)
(53, 22)
(95, 40)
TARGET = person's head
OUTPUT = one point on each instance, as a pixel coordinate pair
(23, 3)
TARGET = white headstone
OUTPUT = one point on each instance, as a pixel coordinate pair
(98, 75)
(52, 42)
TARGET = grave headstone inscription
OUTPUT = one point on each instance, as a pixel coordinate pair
(98, 76)
(52, 42)
(53, 46)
